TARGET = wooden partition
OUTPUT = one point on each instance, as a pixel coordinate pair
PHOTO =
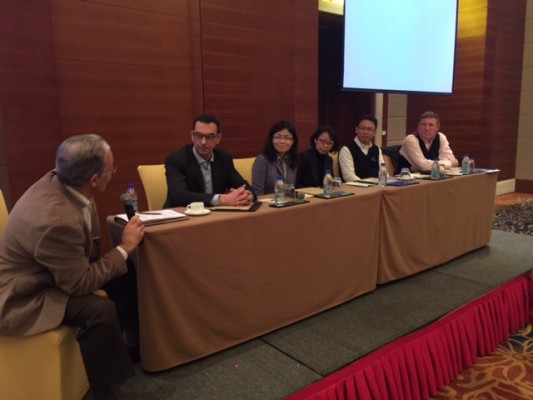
(29, 113)
(138, 71)
(481, 116)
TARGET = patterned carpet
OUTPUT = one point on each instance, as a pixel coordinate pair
(517, 218)
(506, 374)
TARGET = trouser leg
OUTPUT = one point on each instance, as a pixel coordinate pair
(103, 350)
(123, 291)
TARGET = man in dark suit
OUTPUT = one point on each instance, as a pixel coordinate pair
(50, 263)
(200, 172)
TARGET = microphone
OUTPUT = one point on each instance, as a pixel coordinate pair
(129, 206)
(128, 203)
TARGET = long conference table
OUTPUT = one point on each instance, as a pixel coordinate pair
(208, 283)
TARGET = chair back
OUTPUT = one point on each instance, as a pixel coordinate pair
(3, 213)
(389, 164)
(336, 169)
(244, 167)
(155, 185)
(394, 156)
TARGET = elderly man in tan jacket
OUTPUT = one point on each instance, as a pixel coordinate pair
(50, 266)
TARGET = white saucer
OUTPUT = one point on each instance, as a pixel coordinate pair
(195, 214)
(454, 173)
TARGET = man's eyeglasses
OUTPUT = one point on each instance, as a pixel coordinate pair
(198, 136)
(326, 142)
(365, 128)
(112, 170)
(281, 137)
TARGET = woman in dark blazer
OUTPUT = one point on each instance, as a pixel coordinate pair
(313, 163)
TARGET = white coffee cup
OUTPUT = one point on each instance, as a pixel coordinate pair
(196, 208)
(455, 170)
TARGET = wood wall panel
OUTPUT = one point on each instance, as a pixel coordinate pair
(481, 116)
(306, 69)
(125, 71)
(138, 71)
(505, 35)
(174, 7)
(28, 101)
(259, 64)
(94, 89)
(96, 32)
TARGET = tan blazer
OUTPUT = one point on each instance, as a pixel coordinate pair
(47, 254)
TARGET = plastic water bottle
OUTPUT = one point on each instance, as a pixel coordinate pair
(465, 165)
(382, 175)
(435, 170)
(328, 183)
(133, 195)
(279, 192)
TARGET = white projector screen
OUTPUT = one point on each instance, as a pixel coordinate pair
(400, 45)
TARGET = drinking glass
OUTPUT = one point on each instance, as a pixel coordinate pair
(289, 192)
(472, 166)
(337, 185)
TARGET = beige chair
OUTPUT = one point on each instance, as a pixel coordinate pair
(244, 167)
(3, 213)
(336, 168)
(388, 164)
(44, 366)
(155, 185)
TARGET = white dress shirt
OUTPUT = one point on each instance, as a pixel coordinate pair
(413, 153)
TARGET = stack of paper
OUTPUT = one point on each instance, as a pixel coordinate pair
(154, 217)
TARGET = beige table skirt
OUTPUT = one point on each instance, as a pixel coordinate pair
(211, 282)
(428, 224)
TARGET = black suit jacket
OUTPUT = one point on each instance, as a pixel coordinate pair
(311, 168)
(185, 181)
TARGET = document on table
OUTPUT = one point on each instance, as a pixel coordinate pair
(374, 181)
(367, 182)
(311, 190)
(360, 184)
(418, 175)
(154, 217)
(251, 208)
